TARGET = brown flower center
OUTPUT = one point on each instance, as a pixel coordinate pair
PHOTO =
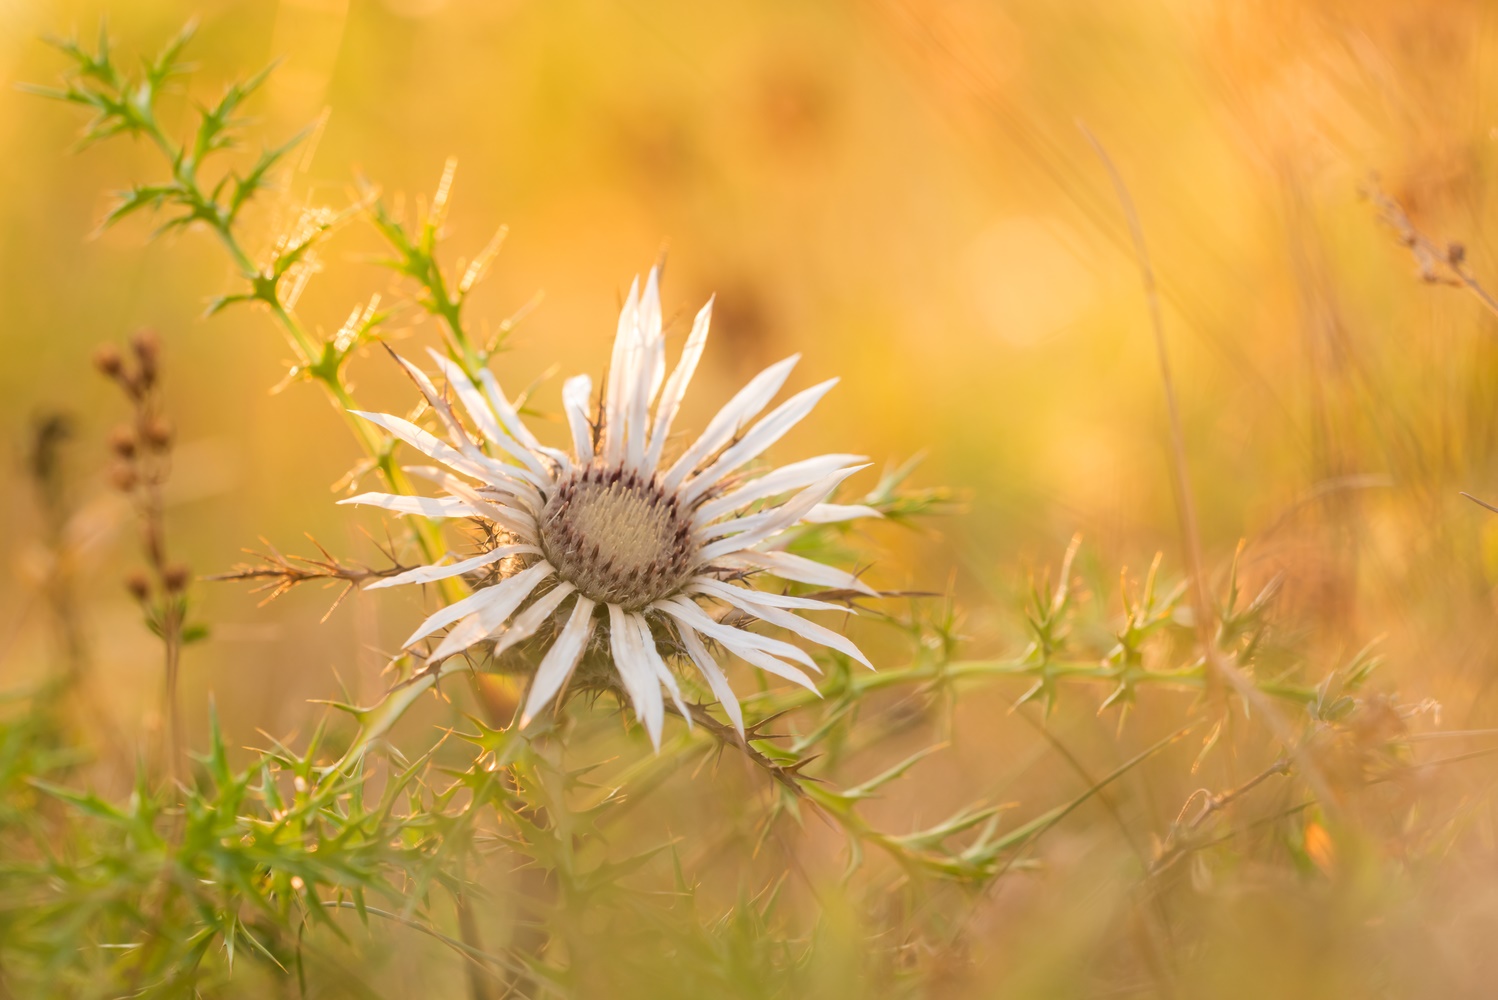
(617, 538)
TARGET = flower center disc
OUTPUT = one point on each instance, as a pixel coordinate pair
(618, 539)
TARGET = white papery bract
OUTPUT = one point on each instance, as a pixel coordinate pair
(611, 534)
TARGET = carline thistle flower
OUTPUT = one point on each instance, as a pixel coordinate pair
(631, 541)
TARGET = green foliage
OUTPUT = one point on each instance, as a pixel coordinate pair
(242, 863)
(167, 889)
(128, 104)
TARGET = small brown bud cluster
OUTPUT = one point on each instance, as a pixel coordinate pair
(147, 347)
(109, 361)
(122, 442)
(138, 583)
(136, 379)
(142, 453)
(156, 431)
(150, 436)
(175, 578)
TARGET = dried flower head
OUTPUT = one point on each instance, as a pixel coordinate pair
(613, 533)
(138, 584)
(147, 347)
(157, 432)
(176, 578)
(122, 441)
(109, 361)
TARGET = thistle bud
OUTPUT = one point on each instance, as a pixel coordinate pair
(122, 441)
(108, 360)
(147, 347)
(138, 584)
(176, 577)
(157, 432)
(123, 477)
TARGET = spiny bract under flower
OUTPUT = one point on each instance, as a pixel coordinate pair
(612, 525)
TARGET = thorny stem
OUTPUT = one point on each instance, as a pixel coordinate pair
(728, 737)
(836, 807)
(788, 777)
(1192, 678)
(281, 573)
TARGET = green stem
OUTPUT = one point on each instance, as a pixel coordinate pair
(1190, 678)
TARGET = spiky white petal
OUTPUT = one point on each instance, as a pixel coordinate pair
(803, 507)
(676, 386)
(765, 433)
(561, 659)
(437, 571)
(741, 409)
(662, 672)
(433, 507)
(575, 393)
(715, 679)
(775, 520)
(433, 447)
(513, 490)
(764, 661)
(743, 599)
(473, 401)
(621, 370)
(640, 682)
(691, 614)
(500, 594)
(781, 480)
(789, 566)
(832, 513)
(525, 624)
(517, 519)
(649, 369)
(710, 585)
(504, 597)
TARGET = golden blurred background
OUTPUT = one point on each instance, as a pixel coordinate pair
(900, 191)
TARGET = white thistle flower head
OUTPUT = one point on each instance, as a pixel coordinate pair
(613, 534)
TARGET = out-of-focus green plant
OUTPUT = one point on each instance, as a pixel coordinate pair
(137, 893)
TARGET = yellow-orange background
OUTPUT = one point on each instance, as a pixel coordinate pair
(897, 189)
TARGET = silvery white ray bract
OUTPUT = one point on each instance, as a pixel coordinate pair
(613, 534)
